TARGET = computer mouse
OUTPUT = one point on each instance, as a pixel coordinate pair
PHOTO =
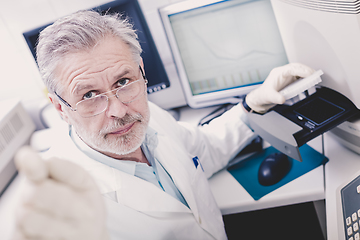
(273, 168)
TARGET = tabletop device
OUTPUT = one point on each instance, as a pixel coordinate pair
(275, 166)
(348, 208)
(308, 39)
(289, 127)
(154, 69)
(222, 49)
(16, 127)
(350, 201)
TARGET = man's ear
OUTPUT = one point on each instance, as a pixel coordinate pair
(58, 107)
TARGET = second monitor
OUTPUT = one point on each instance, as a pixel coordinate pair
(222, 49)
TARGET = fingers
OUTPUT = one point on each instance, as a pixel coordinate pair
(266, 96)
(29, 163)
(262, 99)
(40, 225)
(282, 76)
(60, 201)
(63, 201)
(298, 70)
(54, 211)
(274, 97)
(35, 169)
(57, 211)
(70, 173)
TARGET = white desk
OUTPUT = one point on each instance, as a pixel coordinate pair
(320, 183)
(231, 197)
(343, 166)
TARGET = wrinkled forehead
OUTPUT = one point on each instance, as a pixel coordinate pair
(108, 55)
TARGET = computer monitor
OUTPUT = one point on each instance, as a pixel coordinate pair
(154, 69)
(222, 49)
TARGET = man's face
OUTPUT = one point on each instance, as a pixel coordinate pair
(121, 128)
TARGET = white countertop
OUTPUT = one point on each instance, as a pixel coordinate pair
(232, 197)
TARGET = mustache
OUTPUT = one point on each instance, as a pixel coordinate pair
(119, 122)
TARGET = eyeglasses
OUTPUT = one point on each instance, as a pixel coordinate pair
(126, 94)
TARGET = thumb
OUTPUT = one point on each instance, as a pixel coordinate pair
(29, 163)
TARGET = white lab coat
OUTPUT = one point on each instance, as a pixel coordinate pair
(142, 210)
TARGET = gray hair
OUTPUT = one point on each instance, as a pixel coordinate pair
(79, 32)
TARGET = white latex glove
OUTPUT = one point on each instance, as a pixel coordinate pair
(267, 94)
(62, 202)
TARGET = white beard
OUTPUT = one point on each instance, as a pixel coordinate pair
(120, 145)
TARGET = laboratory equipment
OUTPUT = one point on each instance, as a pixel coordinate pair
(348, 208)
(350, 197)
(155, 72)
(16, 127)
(273, 168)
(325, 35)
(287, 127)
(222, 49)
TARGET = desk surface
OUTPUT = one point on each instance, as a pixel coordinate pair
(234, 198)
(343, 166)
(231, 197)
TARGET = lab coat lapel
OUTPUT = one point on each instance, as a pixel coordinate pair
(146, 197)
(190, 180)
(178, 164)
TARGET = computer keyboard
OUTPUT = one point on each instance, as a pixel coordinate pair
(350, 198)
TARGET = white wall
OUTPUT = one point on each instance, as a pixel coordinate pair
(19, 76)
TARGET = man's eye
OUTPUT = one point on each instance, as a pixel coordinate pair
(89, 95)
(123, 82)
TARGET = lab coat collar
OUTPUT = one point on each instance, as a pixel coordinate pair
(151, 140)
(130, 190)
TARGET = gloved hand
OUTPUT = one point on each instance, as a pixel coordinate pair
(62, 202)
(267, 94)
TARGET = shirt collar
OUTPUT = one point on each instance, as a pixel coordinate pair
(151, 140)
(128, 167)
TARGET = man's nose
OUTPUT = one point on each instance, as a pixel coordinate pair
(115, 107)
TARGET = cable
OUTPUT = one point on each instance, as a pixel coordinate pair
(214, 114)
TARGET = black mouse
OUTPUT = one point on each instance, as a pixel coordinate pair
(273, 168)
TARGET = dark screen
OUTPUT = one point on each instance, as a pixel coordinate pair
(319, 110)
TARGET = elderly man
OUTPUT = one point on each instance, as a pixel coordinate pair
(151, 171)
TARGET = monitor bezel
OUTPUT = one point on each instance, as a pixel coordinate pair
(232, 95)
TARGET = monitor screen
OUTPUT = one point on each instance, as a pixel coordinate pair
(222, 49)
(154, 69)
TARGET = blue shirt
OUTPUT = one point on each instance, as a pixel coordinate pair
(155, 173)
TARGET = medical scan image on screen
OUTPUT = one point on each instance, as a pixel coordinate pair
(228, 44)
